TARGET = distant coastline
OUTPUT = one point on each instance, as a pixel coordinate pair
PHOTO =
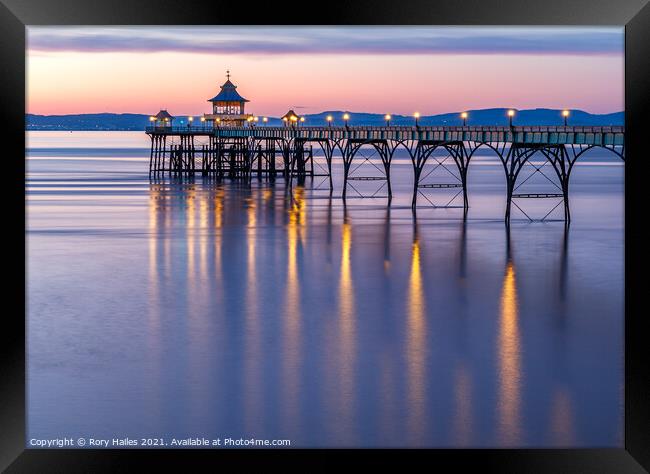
(486, 117)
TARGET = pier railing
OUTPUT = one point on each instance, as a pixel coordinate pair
(580, 135)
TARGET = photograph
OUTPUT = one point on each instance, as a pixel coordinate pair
(325, 236)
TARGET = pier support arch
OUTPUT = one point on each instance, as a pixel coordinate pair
(385, 153)
(423, 151)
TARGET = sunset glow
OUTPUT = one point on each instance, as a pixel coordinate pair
(437, 70)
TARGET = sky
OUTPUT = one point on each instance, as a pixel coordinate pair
(399, 70)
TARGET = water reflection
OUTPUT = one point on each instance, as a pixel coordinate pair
(203, 237)
(509, 358)
(562, 412)
(219, 198)
(156, 194)
(564, 267)
(253, 355)
(387, 241)
(416, 345)
(392, 344)
(190, 196)
(292, 318)
(346, 334)
(165, 207)
(462, 422)
(561, 419)
(328, 228)
(154, 197)
(462, 258)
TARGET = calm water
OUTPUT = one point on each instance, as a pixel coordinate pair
(183, 309)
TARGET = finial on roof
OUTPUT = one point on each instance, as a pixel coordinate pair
(228, 74)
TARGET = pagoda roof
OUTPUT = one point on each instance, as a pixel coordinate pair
(290, 114)
(163, 114)
(228, 94)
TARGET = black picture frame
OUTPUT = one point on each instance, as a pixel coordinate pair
(16, 14)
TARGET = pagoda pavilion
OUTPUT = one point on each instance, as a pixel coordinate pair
(228, 106)
(162, 119)
(291, 118)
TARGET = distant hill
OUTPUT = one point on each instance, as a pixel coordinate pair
(103, 121)
(480, 117)
(107, 121)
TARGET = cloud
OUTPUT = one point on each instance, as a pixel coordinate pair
(329, 40)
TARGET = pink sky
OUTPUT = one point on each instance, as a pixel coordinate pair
(73, 79)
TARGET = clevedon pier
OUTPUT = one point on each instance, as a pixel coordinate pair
(229, 144)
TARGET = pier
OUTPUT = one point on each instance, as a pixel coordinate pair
(245, 151)
(231, 143)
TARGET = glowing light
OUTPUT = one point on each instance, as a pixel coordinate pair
(294, 118)
(511, 113)
(291, 333)
(284, 119)
(463, 115)
(565, 113)
(202, 119)
(265, 119)
(387, 117)
(256, 119)
(346, 116)
(152, 118)
(416, 115)
(417, 344)
(302, 119)
(347, 334)
(510, 370)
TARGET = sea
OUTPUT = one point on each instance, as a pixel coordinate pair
(162, 309)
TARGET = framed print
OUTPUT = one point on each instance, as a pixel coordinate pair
(387, 233)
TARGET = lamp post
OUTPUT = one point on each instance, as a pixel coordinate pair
(294, 119)
(346, 117)
(189, 121)
(417, 116)
(464, 117)
(217, 121)
(329, 119)
(152, 119)
(387, 118)
(265, 119)
(250, 121)
(302, 120)
(511, 113)
(285, 120)
(565, 114)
